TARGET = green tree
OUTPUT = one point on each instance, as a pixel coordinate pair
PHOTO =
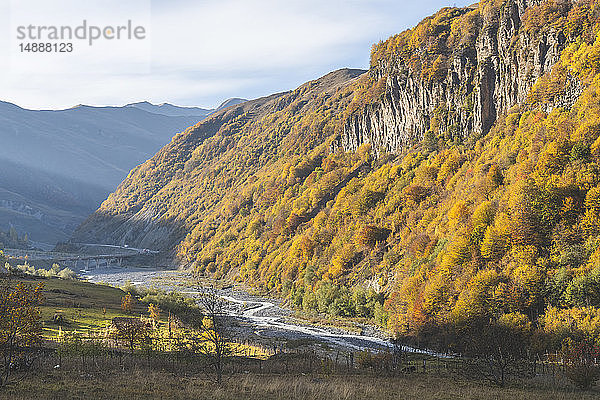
(584, 290)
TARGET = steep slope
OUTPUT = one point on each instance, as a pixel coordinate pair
(457, 71)
(184, 183)
(450, 193)
(58, 166)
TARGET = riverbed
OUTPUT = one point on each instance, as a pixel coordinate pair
(262, 319)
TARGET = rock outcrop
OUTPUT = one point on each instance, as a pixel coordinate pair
(484, 78)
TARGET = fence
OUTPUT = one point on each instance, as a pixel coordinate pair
(93, 352)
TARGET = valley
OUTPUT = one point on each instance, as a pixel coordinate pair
(59, 165)
(278, 352)
(267, 321)
(430, 222)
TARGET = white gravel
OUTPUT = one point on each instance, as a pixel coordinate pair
(260, 318)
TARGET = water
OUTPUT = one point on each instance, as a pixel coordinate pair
(262, 314)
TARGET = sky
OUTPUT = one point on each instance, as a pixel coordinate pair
(193, 53)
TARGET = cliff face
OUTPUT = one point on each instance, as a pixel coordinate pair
(483, 77)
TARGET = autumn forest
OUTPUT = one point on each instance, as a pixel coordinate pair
(456, 232)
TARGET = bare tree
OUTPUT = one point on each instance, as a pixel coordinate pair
(131, 330)
(497, 352)
(215, 330)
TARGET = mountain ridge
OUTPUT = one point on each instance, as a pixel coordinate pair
(94, 146)
(170, 109)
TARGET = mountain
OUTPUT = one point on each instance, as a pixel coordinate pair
(178, 111)
(46, 206)
(212, 143)
(58, 166)
(450, 193)
(170, 110)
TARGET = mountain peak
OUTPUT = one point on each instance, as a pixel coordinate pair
(139, 103)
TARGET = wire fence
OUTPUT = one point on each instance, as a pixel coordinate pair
(95, 352)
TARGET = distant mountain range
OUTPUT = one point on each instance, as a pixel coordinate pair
(57, 166)
(170, 110)
(178, 111)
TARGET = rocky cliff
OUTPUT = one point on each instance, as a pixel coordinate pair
(489, 60)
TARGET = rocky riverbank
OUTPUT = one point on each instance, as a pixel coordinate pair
(257, 318)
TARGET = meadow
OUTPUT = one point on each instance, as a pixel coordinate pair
(83, 306)
(144, 384)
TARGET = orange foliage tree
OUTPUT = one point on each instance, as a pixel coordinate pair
(20, 326)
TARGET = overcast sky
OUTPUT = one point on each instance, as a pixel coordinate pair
(195, 52)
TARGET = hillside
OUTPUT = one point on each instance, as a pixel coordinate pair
(450, 191)
(215, 164)
(58, 166)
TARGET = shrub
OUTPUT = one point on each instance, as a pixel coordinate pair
(54, 272)
(580, 360)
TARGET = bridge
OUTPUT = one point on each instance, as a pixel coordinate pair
(78, 260)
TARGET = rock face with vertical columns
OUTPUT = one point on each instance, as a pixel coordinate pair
(484, 78)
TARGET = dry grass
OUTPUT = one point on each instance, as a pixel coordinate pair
(158, 385)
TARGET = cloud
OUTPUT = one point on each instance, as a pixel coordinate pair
(201, 52)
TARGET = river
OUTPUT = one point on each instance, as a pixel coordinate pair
(266, 317)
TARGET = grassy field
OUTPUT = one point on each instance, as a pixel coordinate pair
(82, 304)
(160, 385)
